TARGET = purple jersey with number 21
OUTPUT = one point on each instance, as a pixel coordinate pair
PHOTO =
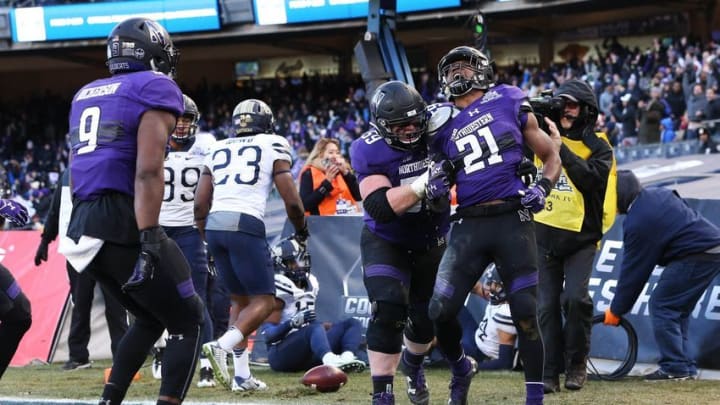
(488, 131)
(104, 120)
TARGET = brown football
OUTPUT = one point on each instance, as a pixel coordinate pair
(324, 378)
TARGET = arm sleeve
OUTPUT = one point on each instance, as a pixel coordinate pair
(503, 362)
(638, 262)
(52, 219)
(274, 333)
(587, 175)
(312, 198)
(352, 183)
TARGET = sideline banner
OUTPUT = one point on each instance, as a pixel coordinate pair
(45, 286)
(334, 246)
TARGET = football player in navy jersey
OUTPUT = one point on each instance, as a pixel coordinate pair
(295, 340)
(183, 164)
(403, 238)
(119, 128)
(494, 206)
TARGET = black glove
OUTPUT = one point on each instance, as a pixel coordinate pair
(526, 171)
(42, 251)
(151, 242)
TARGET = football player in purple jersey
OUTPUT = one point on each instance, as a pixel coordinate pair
(15, 316)
(494, 208)
(119, 128)
(403, 238)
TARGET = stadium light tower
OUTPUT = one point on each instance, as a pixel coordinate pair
(379, 55)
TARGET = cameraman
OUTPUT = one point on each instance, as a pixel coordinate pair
(568, 231)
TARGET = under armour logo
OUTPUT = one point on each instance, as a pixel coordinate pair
(525, 215)
(474, 112)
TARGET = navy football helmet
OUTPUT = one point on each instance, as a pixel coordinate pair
(394, 107)
(252, 117)
(493, 285)
(138, 44)
(292, 260)
(452, 80)
(183, 134)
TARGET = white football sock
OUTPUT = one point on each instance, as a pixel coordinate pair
(230, 339)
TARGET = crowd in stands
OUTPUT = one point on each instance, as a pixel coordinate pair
(664, 93)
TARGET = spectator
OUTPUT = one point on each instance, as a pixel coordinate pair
(696, 104)
(712, 111)
(667, 130)
(676, 100)
(627, 116)
(651, 112)
(327, 184)
(706, 144)
(661, 229)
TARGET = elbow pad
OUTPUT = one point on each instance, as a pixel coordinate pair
(378, 207)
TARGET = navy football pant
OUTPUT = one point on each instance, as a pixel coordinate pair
(304, 348)
(190, 243)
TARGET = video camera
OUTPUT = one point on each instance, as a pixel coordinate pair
(547, 106)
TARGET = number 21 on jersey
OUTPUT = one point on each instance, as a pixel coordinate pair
(476, 157)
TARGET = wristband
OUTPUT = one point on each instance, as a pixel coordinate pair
(418, 186)
(545, 184)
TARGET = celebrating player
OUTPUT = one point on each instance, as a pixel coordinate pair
(119, 127)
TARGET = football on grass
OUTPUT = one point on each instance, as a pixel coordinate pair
(324, 378)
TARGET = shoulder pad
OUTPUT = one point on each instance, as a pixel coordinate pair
(283, 286)
(440, 114)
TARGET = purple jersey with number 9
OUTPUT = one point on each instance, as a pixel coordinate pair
(104, 120)
(489, 132)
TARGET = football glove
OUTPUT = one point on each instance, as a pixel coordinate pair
(151, 242)
(42, 251)
(14, 212)
(526, 171)
(301, 318)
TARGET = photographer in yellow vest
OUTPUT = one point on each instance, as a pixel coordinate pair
(577, 213)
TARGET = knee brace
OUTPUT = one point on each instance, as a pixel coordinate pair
(523, 306)
(384, 333)
(420, 328)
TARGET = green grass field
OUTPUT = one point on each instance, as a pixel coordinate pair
(49, 381)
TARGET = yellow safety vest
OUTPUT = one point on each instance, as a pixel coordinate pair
(565, 206)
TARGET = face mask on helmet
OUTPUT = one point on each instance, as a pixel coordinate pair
(186, 126)
(138, 44)
(252, 117)
(493, 285)
(399, 114)
(464, 69)
(293, 261)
